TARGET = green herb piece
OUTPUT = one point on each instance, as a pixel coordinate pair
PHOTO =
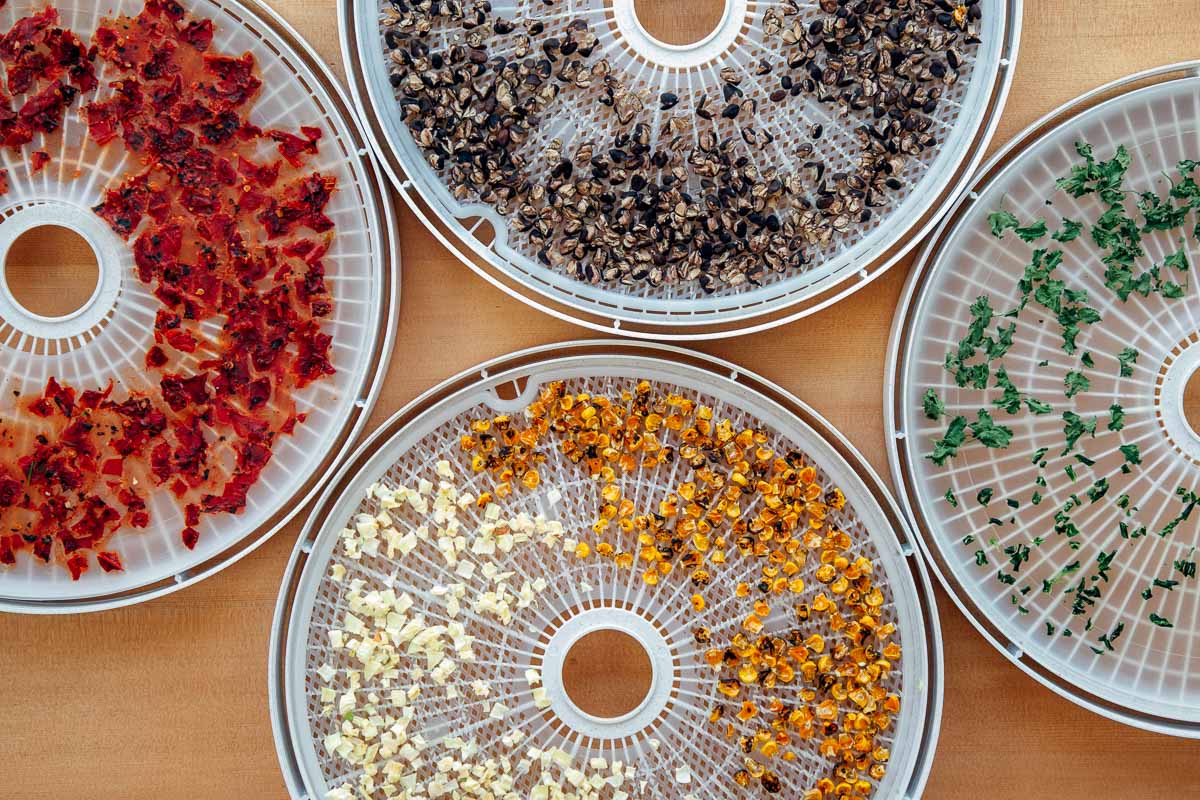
(1161, 622)
(1126, 533)
(1075, 383)
(1010, 400)
(1098, 489)
(1131, 453)
(1104, 178)
(980, 558)
(1177, 261)
(1074, 427)
(1037, 406)
(1000, 221)
(996, 348)
(950, 498)
(1117, 417)
(1033, 232)
(1171, 290)
(1018, 554)
(984, 496)
(1069, 231)
(1109, 638)
(934, 407)
(1127, 358)
(948, 445)
(988, 433)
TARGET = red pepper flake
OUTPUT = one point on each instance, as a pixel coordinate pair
(225, 243)
(109, 561)
(190, 537)
(77, 564)
(155, 357)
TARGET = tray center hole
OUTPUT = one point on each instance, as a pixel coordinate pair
(1191, 402)
(607, 673)
(51, 271)
(679, 22)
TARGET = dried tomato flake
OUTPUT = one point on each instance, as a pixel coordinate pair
(190, 537)
(77, 564)
(109, 561)
(225, 243)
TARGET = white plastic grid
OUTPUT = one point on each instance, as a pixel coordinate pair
(1152, 676)
(295, 92)
(680, 734)
(969, 107)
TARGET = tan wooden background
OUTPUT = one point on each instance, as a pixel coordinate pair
(169, 699)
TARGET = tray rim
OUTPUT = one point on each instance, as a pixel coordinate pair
(372, 380)
(468, 251)
(281, 722)
(898, 338)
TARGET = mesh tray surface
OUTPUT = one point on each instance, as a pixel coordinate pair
(490, 244)
(1151, 677)
(670, 730)
(108, 338)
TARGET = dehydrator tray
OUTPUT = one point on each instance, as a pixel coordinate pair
(1062, 525)
(68, 176)
(401, 659)
(732, 254)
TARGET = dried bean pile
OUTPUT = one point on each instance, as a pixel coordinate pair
(670, 193)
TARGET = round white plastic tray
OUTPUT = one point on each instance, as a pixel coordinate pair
(477, 234)
(668, 729)
(1151, 677)
(109, 336)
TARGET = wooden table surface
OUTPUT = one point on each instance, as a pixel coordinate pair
(169, 699)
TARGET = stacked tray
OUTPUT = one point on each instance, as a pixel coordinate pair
(106, 342)
(1069, 539)
(761, 126)
(347, 699)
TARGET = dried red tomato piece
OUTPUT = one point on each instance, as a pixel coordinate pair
(26, 32)
(11, 492)
(190, 536)
(124, 206)
(77, 565)
(199, 213)
(109, 561)
(291, 146)
(236, 82)
(155, 357)
(180, 393)
(44, 110)
(198, 33)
